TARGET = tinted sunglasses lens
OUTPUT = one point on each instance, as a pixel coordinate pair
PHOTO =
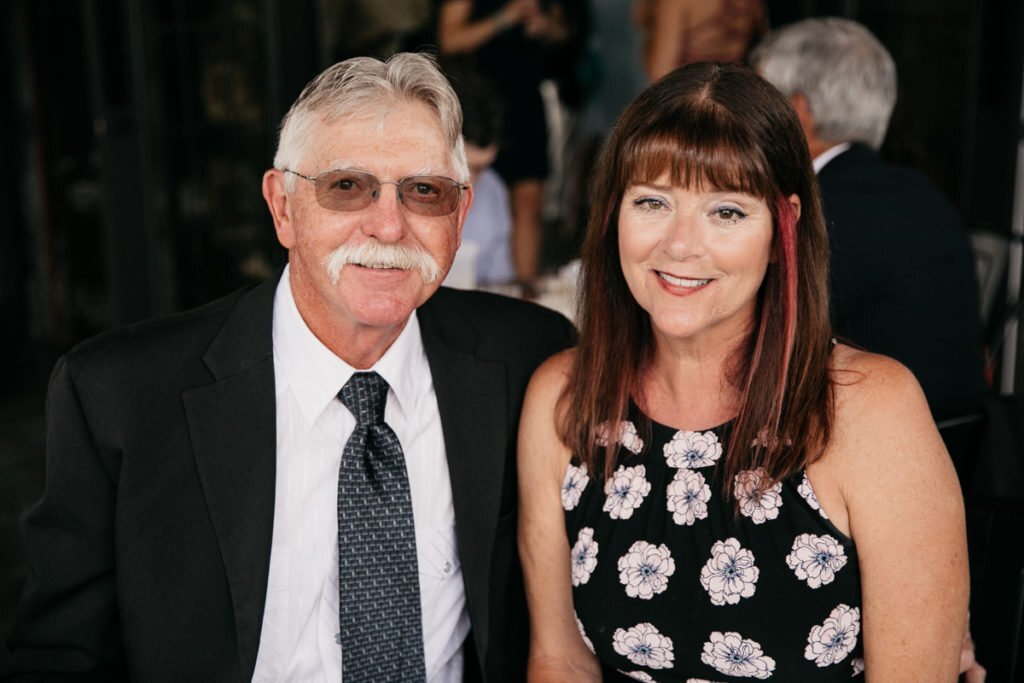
(345, 190)
(429, 195)
(426, 195)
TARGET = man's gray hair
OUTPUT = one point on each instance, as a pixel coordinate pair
(364, 85)
(847, 76)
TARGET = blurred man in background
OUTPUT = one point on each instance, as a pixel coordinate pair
(903, 281)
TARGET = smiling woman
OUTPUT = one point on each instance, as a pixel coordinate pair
(701, 162)
(711, 488)
(694, 260)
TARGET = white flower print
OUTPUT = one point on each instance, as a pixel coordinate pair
(576, 479)
(687, 497)
(583, 634)
(584, 556)
(692, 449)
(833, 640)
(637, 675)
(732, 654)
(807, 492)
(858, 666)
(645, 569)
(816, 559)
(627, 436)
(644, 646)
(730, 574)
(759, 506)
(626, 490)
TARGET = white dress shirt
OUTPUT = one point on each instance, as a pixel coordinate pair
(300, 620)
(828, 155)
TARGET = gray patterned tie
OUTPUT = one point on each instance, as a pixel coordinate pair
(378, 578)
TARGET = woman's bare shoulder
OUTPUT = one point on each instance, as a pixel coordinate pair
(869, 382)
(551, 377)
(880, 412)
(544, 394)
(542, 454)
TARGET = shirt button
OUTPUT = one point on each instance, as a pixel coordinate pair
(447, 568)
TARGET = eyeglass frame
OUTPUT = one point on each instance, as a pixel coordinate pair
(459, 187)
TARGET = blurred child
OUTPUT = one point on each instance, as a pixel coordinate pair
(484, 257)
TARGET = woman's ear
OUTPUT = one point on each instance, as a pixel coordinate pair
(794, 203)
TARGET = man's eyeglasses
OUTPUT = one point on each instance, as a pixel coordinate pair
(424, 195)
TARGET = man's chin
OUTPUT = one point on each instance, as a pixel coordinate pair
(387, 311)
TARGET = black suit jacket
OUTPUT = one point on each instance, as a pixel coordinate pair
(149, 550)
(902, 276)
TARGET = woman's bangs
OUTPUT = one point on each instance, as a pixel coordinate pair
(713, 163)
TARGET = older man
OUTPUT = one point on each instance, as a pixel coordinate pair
(310, 479)
(903, 280)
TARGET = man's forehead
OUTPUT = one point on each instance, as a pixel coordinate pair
(409, 138)
(411, 114)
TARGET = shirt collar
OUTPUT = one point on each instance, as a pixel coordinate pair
(316, 375)
(828, 155)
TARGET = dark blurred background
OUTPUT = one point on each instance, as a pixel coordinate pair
(135, 135)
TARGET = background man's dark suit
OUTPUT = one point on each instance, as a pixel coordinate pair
(150, 547)
(903, 280)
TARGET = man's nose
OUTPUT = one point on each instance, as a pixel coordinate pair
(386, 218)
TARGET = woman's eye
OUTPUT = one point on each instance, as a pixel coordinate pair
(649, 203)
(729, 214)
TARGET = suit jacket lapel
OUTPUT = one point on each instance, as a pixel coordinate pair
(232, 424)
(471, 398)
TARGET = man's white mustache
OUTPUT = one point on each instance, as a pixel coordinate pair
(373, 254)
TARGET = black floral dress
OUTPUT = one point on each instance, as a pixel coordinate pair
(670, 583)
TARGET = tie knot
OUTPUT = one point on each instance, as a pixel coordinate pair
(365, 394)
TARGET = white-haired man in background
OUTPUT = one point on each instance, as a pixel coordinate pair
(902, 272)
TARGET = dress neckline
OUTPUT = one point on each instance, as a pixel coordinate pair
(634, 409)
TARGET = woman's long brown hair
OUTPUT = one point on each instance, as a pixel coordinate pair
(723, 127)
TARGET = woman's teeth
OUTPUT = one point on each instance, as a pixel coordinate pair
(682, 281)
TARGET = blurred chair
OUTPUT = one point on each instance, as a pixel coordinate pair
(994, 497)
(1016, 667)
(962, 436)
(989, 455)
(990, 257)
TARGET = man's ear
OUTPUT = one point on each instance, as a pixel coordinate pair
(464, 205)
(280, 205)
(803, 111)
(802, 105)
